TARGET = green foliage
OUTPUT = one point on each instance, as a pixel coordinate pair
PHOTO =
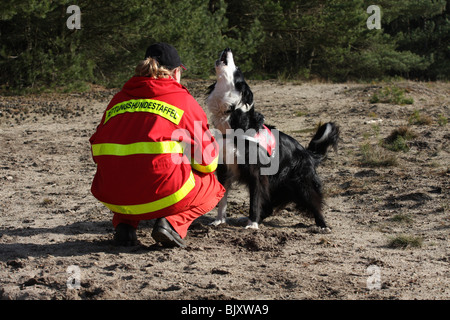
(38, 49)
(397, 140)
(394, 95)
(402, 218)
(374, 156)
(421, 27)
(297, 39)
(419, 119)
(398, 144)
(442, 120)
(33, 51)
(404, 241)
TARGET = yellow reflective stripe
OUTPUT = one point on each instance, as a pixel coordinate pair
(115, 149)
(163, 109)
(205, 169)
(158, 204)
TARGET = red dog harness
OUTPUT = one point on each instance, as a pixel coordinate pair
(265, 139)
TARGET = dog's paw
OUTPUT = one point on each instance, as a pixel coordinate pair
(252, 225)
(217, 222)
(325, 230)
(317, 229)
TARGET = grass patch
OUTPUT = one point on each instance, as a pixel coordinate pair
(397, 140)
(372, 114)
(419, 119)
(374, 156)
(402, 218)
(405, 241)
(403, 131)
(306, 130)
(394, 95)
(442, 120)
(399, 144)
(46, 202)
(300, 113)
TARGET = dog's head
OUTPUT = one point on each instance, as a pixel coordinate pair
(230, 92)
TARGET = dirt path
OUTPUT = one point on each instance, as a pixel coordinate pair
(390, 237)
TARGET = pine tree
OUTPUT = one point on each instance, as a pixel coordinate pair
(423, 28)
(290, 38)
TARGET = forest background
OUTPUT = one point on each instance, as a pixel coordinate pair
(301, 39)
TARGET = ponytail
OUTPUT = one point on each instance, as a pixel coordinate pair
(151, 68)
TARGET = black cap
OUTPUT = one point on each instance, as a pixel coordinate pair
(165, 54)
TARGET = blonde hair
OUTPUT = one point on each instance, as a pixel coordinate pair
(151, 68)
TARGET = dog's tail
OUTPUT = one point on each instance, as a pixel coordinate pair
(326, 136)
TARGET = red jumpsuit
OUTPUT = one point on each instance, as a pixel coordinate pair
(155, 155)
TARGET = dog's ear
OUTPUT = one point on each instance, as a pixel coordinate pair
(243, 87)
(247, 94)
(211, 88)
(258, 120)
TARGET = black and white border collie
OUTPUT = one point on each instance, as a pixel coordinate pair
(231, 104)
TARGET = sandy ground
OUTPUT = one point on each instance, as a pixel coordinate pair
(56, 239)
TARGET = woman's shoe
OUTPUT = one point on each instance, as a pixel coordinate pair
(125, 235)
(166, 235)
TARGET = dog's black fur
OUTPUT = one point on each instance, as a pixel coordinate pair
(296, 180)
